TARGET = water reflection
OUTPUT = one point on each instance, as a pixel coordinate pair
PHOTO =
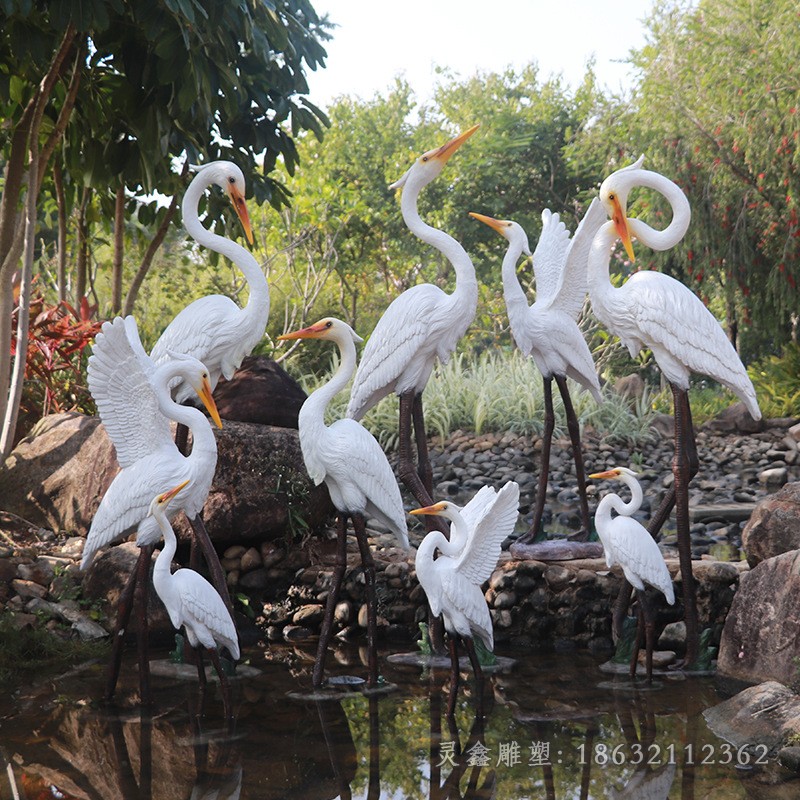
(555, 728)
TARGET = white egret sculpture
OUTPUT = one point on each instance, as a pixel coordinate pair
(626, 542)
(133, 399)
(214, 329)
(548, 330)
(349, 460)
(653, 310)
(192, 602)
(420, 326)
(452, 581)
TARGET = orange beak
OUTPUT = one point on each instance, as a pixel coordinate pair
(311, 332)
(444, 152)
(435, 509)
(621, 224)
(494, 224)
(208, 401)
(237, 199)
(609, 473)
(167, 496)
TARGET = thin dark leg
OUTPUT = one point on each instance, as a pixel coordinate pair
(374, 786)
(359, 524)
(124, 608)
(637, 642)
(424, 468)
(454, 675)
(544, 470)
(140, 598)
(681, 468)
(575, 437)
(476, 668)
(224, 684)
(212, 560)
(330, 606)
(649, 632)
(201, 681)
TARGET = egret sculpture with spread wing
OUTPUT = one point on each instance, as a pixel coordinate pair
(359, 478)
(422, 324)
(548, 330)
(627, 543)
(452, 581)
(192, 602)
(214, 329)
(133, 399)
(653, 310)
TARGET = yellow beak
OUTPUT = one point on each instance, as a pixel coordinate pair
(609, 473)
(237, 199)
(444, 152)
(435, 509)
(621, 224)
(167, 496)
(494, 224)
(208, 401)
(311, 332)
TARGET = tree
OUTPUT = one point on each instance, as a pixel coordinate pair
(128, 87)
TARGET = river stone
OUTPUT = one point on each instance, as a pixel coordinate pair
(774, 526)
(762, 626)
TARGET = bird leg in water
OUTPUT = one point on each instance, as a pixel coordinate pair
(127, 597)
(575, 437)
(544, 471)
(141, 596)
(452, 646)
(212, 560)
(360, 526)
(333, 596)
(476, 668)
(224, 683)
(682, 465)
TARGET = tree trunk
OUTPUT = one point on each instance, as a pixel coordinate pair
(61, 255)
(82, 263)
(119, 245)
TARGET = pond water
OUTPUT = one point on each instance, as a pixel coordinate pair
(556, 727)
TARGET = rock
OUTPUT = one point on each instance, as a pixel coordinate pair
(758, 640)
(789, 757)
(630, 387)
(251, 559)
(734, 419)
(774, 526)
(28, 588)
(765, 715)
(309, 615)
(556, 550)
(262, 392)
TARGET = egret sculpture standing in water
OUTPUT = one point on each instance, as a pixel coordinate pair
(653, 310)
(548, 330)
(452, 581)
(360, 481)
(626, 542)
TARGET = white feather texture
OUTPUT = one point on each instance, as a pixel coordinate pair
(214, 329)
(133, 399)
(452, 581)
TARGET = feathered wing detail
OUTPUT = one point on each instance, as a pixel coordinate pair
(119, 373)
(403, 332)
(637, 553)
(570, 291)
(357, 466)
(477, 506)
(465, 608)
(482, 552)
(203, 610)
(683, 334)
(549, 255)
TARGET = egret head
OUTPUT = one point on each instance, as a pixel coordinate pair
(230, 179)
(441, 509)
(614, 472)
(614, 197)
(430, 164)
(197, 376)
(329, 328)
(161, 501)
(507, 228)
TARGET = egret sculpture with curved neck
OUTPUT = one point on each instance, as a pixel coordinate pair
(360, 481)
(656, 311)
(420, 326)
(214, 329)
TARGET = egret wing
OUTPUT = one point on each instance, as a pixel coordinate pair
(204, 608)
(463, 599)
(549, 255)
(119, 373)
(479, 558)
(569, 292)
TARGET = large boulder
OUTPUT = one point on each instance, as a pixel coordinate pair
(734, 419)
(260, 391)
(759, 638)
(57, 476)
(774, 526)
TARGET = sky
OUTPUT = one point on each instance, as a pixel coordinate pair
(378, 40)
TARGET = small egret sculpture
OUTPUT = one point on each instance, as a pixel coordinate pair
(360, 481)
(133, 400)
(452, 581)
(548, 330)
(422, 324)
(653, 310)
(627, 543)
(192, 602)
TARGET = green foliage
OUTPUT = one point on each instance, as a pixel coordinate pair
(777, 383)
